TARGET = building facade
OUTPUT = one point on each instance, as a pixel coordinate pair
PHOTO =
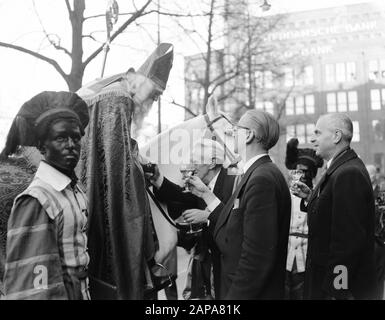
(343, 50)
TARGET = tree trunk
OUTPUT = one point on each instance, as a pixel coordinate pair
(206, 83)
(75, 77)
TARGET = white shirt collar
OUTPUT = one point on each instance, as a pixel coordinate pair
(213, 181)
(329, 163)
(53, 177)
(251, 161)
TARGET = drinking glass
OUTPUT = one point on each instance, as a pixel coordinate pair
(187, 227)
(296, 175)
(187, 170)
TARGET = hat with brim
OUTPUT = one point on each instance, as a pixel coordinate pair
(36, 115)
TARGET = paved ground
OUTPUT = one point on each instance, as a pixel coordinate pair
(183, 258)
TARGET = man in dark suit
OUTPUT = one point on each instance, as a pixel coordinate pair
(340, 258)
(208, 157)
(251, 229)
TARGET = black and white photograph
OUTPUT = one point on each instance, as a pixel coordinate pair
(203, 152)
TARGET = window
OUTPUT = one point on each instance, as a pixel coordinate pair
(301, 135)
(289, 78)
(383, 97)
(379, 160)
(289, 106)
(299, 105)
(342, 103)
(290, 132)
(353, 101)
(299, 79)
(259, 105)
(378, 127)
(340, 72)
(303, 132)
(309, 102)
(375, 99)
(351, 71)
(329, 72)
(309, 75)
(264, 79)
(356, 131)
(382, 68)
(377, 69)
(309, 131)
(373, 69)
(331, 102)
(268, 79)
(259, 79)
(267, 106)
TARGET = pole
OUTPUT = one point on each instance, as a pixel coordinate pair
(112, 14)
(106, 48)
(159, 99)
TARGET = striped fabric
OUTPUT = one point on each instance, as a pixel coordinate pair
(46, 242)
(297, 246)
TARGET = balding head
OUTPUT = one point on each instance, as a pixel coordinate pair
(341, 122)
(332, 134)
(264, 126)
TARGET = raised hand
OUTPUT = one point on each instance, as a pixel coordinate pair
(155, 176)
(300, 190)
(197, 187)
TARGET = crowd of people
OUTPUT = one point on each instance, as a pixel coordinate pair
(76, 220)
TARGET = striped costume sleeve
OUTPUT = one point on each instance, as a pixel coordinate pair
(33, 267)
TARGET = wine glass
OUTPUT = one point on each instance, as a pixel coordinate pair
(296, 175)
(188, 227)
(187, 170)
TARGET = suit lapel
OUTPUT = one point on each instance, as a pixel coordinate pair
(224, 215)
(219, 184)
(344, 156)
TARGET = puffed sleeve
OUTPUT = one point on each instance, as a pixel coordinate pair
(33, 267)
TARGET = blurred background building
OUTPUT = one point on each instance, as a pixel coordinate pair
(334, 61)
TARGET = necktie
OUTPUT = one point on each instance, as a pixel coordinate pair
(237, 180)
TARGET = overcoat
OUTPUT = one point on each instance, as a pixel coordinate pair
(341, 232)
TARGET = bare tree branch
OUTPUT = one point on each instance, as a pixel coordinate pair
(170, 14)
(89, 36)
(36, 55)
(68, 7)
(183, 107)
(56, 45)
(118, 32)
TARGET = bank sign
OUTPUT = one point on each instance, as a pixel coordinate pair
(322, 31)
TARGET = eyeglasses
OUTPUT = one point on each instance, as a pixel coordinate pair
(234, 129)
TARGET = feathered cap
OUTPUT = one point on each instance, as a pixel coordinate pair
(158, 65)
(305, 156)
(35, 116)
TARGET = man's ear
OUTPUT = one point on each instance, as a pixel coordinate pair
(42, 148)
(213, 164)
(250, 136)
(337, 136)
